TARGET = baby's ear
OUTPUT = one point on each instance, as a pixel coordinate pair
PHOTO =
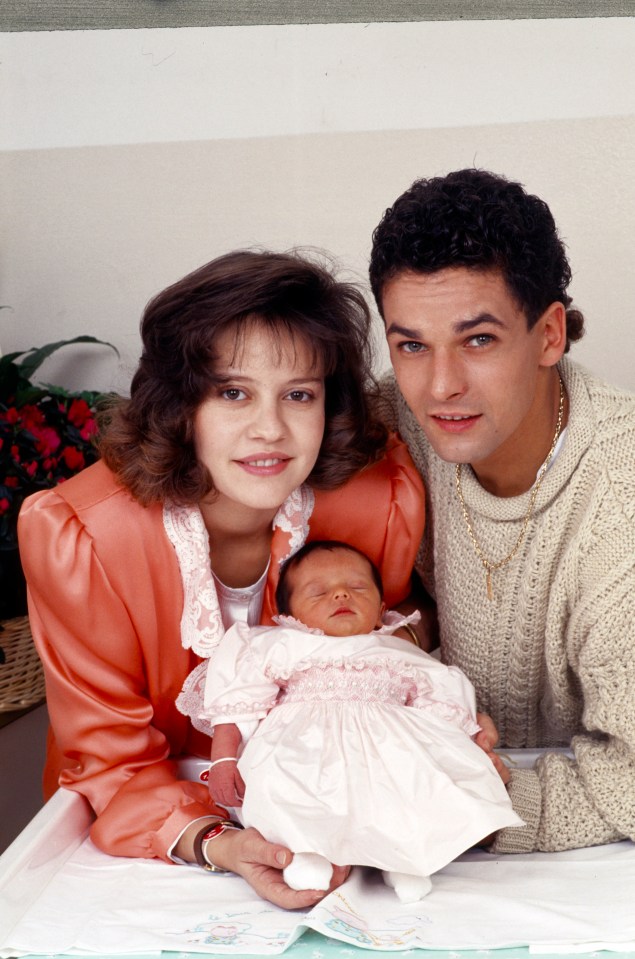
(380, 618)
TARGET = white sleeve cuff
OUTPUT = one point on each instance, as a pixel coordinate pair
(182, 862)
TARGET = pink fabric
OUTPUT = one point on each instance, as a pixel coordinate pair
(106, 603)
(326, 683)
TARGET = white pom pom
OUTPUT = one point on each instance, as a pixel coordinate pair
(308, 870)
(408, 888)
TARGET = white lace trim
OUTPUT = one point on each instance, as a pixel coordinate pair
(293, 518)
(375, 663)
(202, 623)
(392, 622)
(191, 699)
(450, 712)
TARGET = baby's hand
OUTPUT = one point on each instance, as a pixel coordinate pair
(226, 785)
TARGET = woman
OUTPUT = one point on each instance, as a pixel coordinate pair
(245, 434)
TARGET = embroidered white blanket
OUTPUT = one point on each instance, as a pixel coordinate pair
(577, 901)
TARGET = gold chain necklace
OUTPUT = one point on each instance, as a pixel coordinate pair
(488, 565)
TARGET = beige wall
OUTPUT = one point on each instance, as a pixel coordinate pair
(246, 149)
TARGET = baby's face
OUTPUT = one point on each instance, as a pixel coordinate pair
(334, 590)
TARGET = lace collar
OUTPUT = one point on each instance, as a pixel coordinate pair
(392, 621)
(201, 622)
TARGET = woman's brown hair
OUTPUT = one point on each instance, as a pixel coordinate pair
(147, 440)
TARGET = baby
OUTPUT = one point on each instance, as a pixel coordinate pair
(356, 746)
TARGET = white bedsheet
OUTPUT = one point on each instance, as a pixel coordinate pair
(582, 900)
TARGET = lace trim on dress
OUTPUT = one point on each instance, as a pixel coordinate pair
(392, 622)
(450, 712)
(201, 622)
(293, 518)
(373, 663)
(258, 709)
(191, 698)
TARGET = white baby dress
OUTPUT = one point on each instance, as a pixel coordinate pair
(363, 753)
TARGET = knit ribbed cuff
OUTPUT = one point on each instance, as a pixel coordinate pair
(526, 796)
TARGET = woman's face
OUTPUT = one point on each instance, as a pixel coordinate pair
(259, 432)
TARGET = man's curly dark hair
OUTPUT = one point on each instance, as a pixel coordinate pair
(480, 220)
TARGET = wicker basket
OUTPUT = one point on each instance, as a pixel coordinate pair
(21, 674)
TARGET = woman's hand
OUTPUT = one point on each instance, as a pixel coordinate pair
(487, 738)
(260, 863)
(226, 785)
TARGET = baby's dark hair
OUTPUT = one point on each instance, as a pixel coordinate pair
(283, 591)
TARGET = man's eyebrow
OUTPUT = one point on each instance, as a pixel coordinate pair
(463, 326)
(403, 331)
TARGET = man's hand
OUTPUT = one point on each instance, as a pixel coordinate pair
(500, 767)
(487, 739)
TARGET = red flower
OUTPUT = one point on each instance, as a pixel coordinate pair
(31, 468)
(4, 505)
(46, 440)
(32, 418)
(11, 481)
(89, 430)
(12, 415)
(79, 412)
(73, 458)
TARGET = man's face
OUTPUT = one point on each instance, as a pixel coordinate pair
(466, 364)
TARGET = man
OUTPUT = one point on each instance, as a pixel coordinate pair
(529, 463)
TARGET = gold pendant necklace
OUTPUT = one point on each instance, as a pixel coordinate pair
(487, 564)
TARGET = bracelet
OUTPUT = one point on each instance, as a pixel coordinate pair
(412, 632)
(207, 834)
(225, 759)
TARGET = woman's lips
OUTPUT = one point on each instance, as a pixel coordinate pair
(264, 464)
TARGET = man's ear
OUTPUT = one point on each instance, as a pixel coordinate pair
(553, 327)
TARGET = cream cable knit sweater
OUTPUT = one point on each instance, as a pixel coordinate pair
(552, 657)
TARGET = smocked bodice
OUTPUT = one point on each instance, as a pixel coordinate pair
(329, 682)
